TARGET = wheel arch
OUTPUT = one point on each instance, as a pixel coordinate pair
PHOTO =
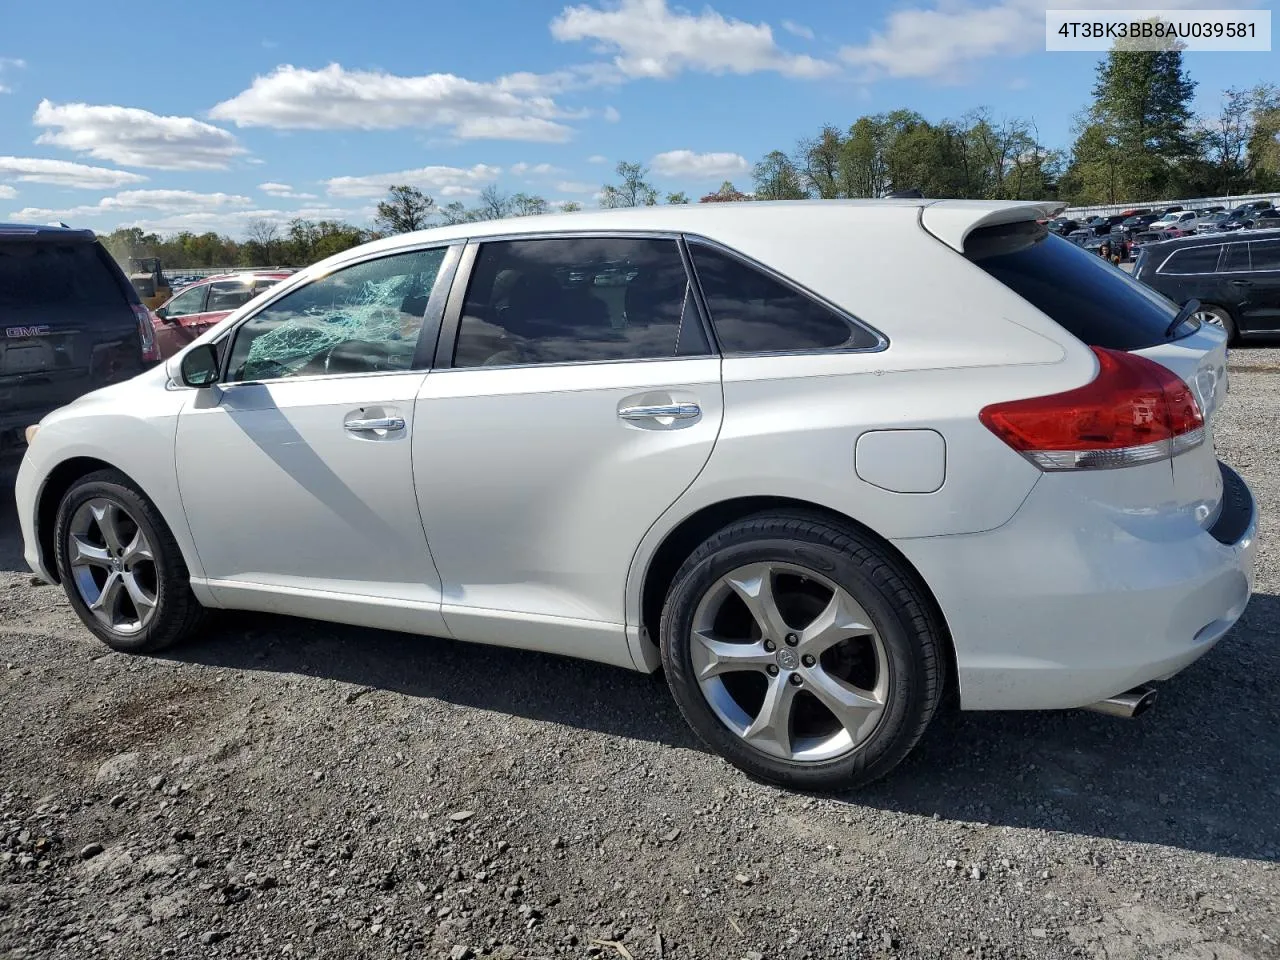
(60, 479)
(679, 542)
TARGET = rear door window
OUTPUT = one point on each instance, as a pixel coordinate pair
(188, 302)
(1094, 301)
(753, 312)
(1265, 254)
(1193, 260)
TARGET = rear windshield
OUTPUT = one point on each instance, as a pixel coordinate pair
(1095, 301)
(56, 281)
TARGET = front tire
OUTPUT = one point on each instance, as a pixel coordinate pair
(801, 652)
(120, 566)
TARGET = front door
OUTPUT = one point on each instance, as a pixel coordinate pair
(306, 443)
(579, 398)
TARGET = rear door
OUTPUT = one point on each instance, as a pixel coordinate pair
(1263, 285)
(575, 397)
(67, 323)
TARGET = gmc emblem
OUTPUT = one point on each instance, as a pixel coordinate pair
(40, 331)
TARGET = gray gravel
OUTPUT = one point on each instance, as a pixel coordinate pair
(291, 789)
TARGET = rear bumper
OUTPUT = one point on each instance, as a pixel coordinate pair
(1049, 614)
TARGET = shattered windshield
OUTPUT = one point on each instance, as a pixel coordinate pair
(361, 319)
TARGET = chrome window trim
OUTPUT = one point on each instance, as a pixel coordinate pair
(444, 279)
(1204, 273)
(881, 344)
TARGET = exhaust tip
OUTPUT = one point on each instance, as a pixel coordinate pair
(1130, 704)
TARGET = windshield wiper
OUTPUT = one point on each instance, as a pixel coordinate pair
(1188, 310)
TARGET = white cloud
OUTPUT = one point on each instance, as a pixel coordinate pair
(334, 98)
(612, 115)
(797, 29)
(184, 201)
(701, 166)
(285, 191)
(7, 192)
(576, 186)
(136, 138)
(441, 182)
(937, 39)
(534, 129)
(64, 173)
(652, 40)
(597, 158)
(10, 63)
(523, 169)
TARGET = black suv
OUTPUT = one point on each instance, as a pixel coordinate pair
(1236, 278)
(70, 322)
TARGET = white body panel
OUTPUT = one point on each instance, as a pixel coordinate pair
(517, 507)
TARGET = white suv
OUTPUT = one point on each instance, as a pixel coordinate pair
(821, 461)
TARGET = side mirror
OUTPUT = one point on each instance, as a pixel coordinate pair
(162, 312)
(200, 366)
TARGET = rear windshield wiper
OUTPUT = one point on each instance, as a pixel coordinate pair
(1188, 310)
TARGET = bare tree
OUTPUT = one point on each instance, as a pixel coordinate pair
(265, 233)
(528, 205)
(494, 204)
(405, 210)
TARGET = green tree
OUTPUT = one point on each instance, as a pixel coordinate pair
(634, 191)
(819, 163)
(528, 205)
(678, 197)
(454, 212)
(776, 178)
(570, 206)
(405, 210)
(1139, 136)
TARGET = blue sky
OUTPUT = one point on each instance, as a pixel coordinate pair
(207, 116)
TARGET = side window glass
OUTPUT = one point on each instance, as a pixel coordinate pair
(754, 313)
(1235, 258)
(578, 299)
(1193, 260)
(1266, 254)
(364, 318)
(226, 295)
(188, 302)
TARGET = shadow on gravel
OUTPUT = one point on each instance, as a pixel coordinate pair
(575, 693)
(1199, 771)
(10, 539)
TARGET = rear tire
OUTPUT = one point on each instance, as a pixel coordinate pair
(802, 652)
(121, 568)
(1218, 317)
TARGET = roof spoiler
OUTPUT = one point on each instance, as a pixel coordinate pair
(953, 220)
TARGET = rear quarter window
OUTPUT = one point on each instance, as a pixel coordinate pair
(1093, 300)
(1265, 254)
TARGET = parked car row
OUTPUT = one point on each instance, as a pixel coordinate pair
(1123, 229)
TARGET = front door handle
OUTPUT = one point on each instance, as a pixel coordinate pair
(376, 423)
(676, 411)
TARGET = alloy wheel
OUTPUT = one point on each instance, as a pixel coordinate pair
(790, 662)
(1209, 317)
(113, 565)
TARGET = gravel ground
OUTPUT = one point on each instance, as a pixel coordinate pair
(292, 789)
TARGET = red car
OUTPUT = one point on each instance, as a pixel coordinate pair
(194, 309)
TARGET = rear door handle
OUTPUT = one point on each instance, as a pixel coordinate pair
(376, 423)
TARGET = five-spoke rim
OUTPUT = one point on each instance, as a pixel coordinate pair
(112, 565)
(790, 662)
(1206, 316)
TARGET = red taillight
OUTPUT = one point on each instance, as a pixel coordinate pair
(147, 333)
(1134, 411)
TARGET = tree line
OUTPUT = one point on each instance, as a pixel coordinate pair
(1138, 139)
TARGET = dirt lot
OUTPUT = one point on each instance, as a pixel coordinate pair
(292, 789)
